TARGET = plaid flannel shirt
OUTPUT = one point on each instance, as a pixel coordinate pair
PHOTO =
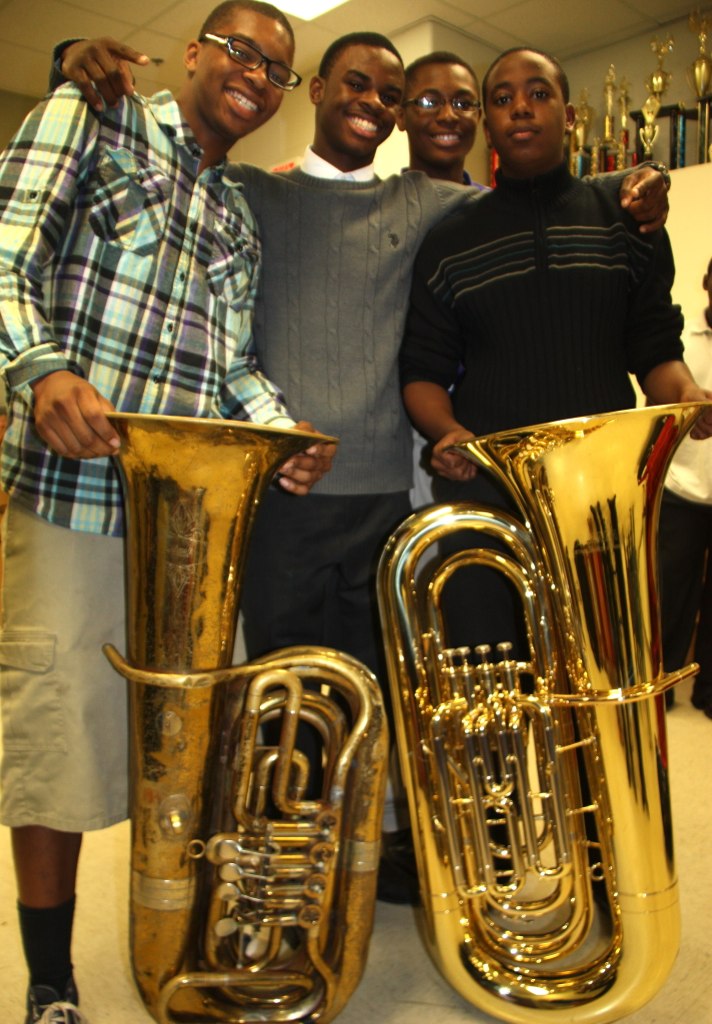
(120, 263)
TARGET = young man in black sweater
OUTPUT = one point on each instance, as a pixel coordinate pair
(534, 305)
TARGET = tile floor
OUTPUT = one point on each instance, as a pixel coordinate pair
(400, 985)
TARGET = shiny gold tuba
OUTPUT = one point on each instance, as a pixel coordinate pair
(252, 896)
(538, 790)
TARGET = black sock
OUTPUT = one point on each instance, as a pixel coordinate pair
(47, 939)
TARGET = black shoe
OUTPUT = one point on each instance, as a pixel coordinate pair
(46, 1006)
(397, 873)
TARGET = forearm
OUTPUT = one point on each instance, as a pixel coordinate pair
(642, 191)
(21, 373)
(430, 409)
(41, 172)
(671, 382)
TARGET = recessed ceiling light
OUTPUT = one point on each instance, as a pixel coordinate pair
(308, 9)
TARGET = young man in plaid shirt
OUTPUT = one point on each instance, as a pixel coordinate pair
(128, 269)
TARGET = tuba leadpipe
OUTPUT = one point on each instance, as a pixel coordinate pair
(538, 790)
(252, 882)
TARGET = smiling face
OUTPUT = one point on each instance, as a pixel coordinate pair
(223, 101)
(355, 105)
(439, 141)
(526, 116)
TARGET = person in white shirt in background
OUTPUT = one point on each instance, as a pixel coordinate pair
(685, 536)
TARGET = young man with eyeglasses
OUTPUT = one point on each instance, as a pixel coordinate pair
(440, 113)
(129, 263)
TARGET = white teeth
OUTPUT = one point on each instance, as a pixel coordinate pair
(447, 138)
(362, 124)
(243, 101)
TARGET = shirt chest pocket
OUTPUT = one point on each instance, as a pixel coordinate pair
(234, 262)
(130, 205)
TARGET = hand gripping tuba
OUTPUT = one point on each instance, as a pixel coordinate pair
(252, 895)
(538, 791)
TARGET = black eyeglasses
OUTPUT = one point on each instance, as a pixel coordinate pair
(249, 56)
(430, 102)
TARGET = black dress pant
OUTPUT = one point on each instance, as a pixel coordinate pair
(684, 544)
(310, 574)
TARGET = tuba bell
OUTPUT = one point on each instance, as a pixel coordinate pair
(538, 790)
(252, 883)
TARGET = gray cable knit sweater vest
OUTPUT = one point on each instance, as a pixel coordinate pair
(335, 284)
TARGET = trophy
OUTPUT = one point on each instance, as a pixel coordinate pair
(624, 107)
(656, 83)
(583, 117)
(700, 77)
(609, 89)
(659, 79)
(649, 131)
(596, 157)
(700, 72)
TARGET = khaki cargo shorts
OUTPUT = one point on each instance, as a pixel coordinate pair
(64, 709)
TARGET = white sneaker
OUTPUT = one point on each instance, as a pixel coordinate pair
(63, 1013)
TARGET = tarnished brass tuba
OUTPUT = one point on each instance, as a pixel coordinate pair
(252, 895)
(538, 790)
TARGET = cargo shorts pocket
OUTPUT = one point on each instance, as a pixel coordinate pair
(32, 709)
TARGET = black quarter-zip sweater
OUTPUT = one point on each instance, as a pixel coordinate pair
(547, 295)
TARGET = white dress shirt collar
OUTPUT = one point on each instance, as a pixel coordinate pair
(320, 168)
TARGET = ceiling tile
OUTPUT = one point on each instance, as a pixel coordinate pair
(40, 24)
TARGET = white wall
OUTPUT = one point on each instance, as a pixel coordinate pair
(690, 229)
